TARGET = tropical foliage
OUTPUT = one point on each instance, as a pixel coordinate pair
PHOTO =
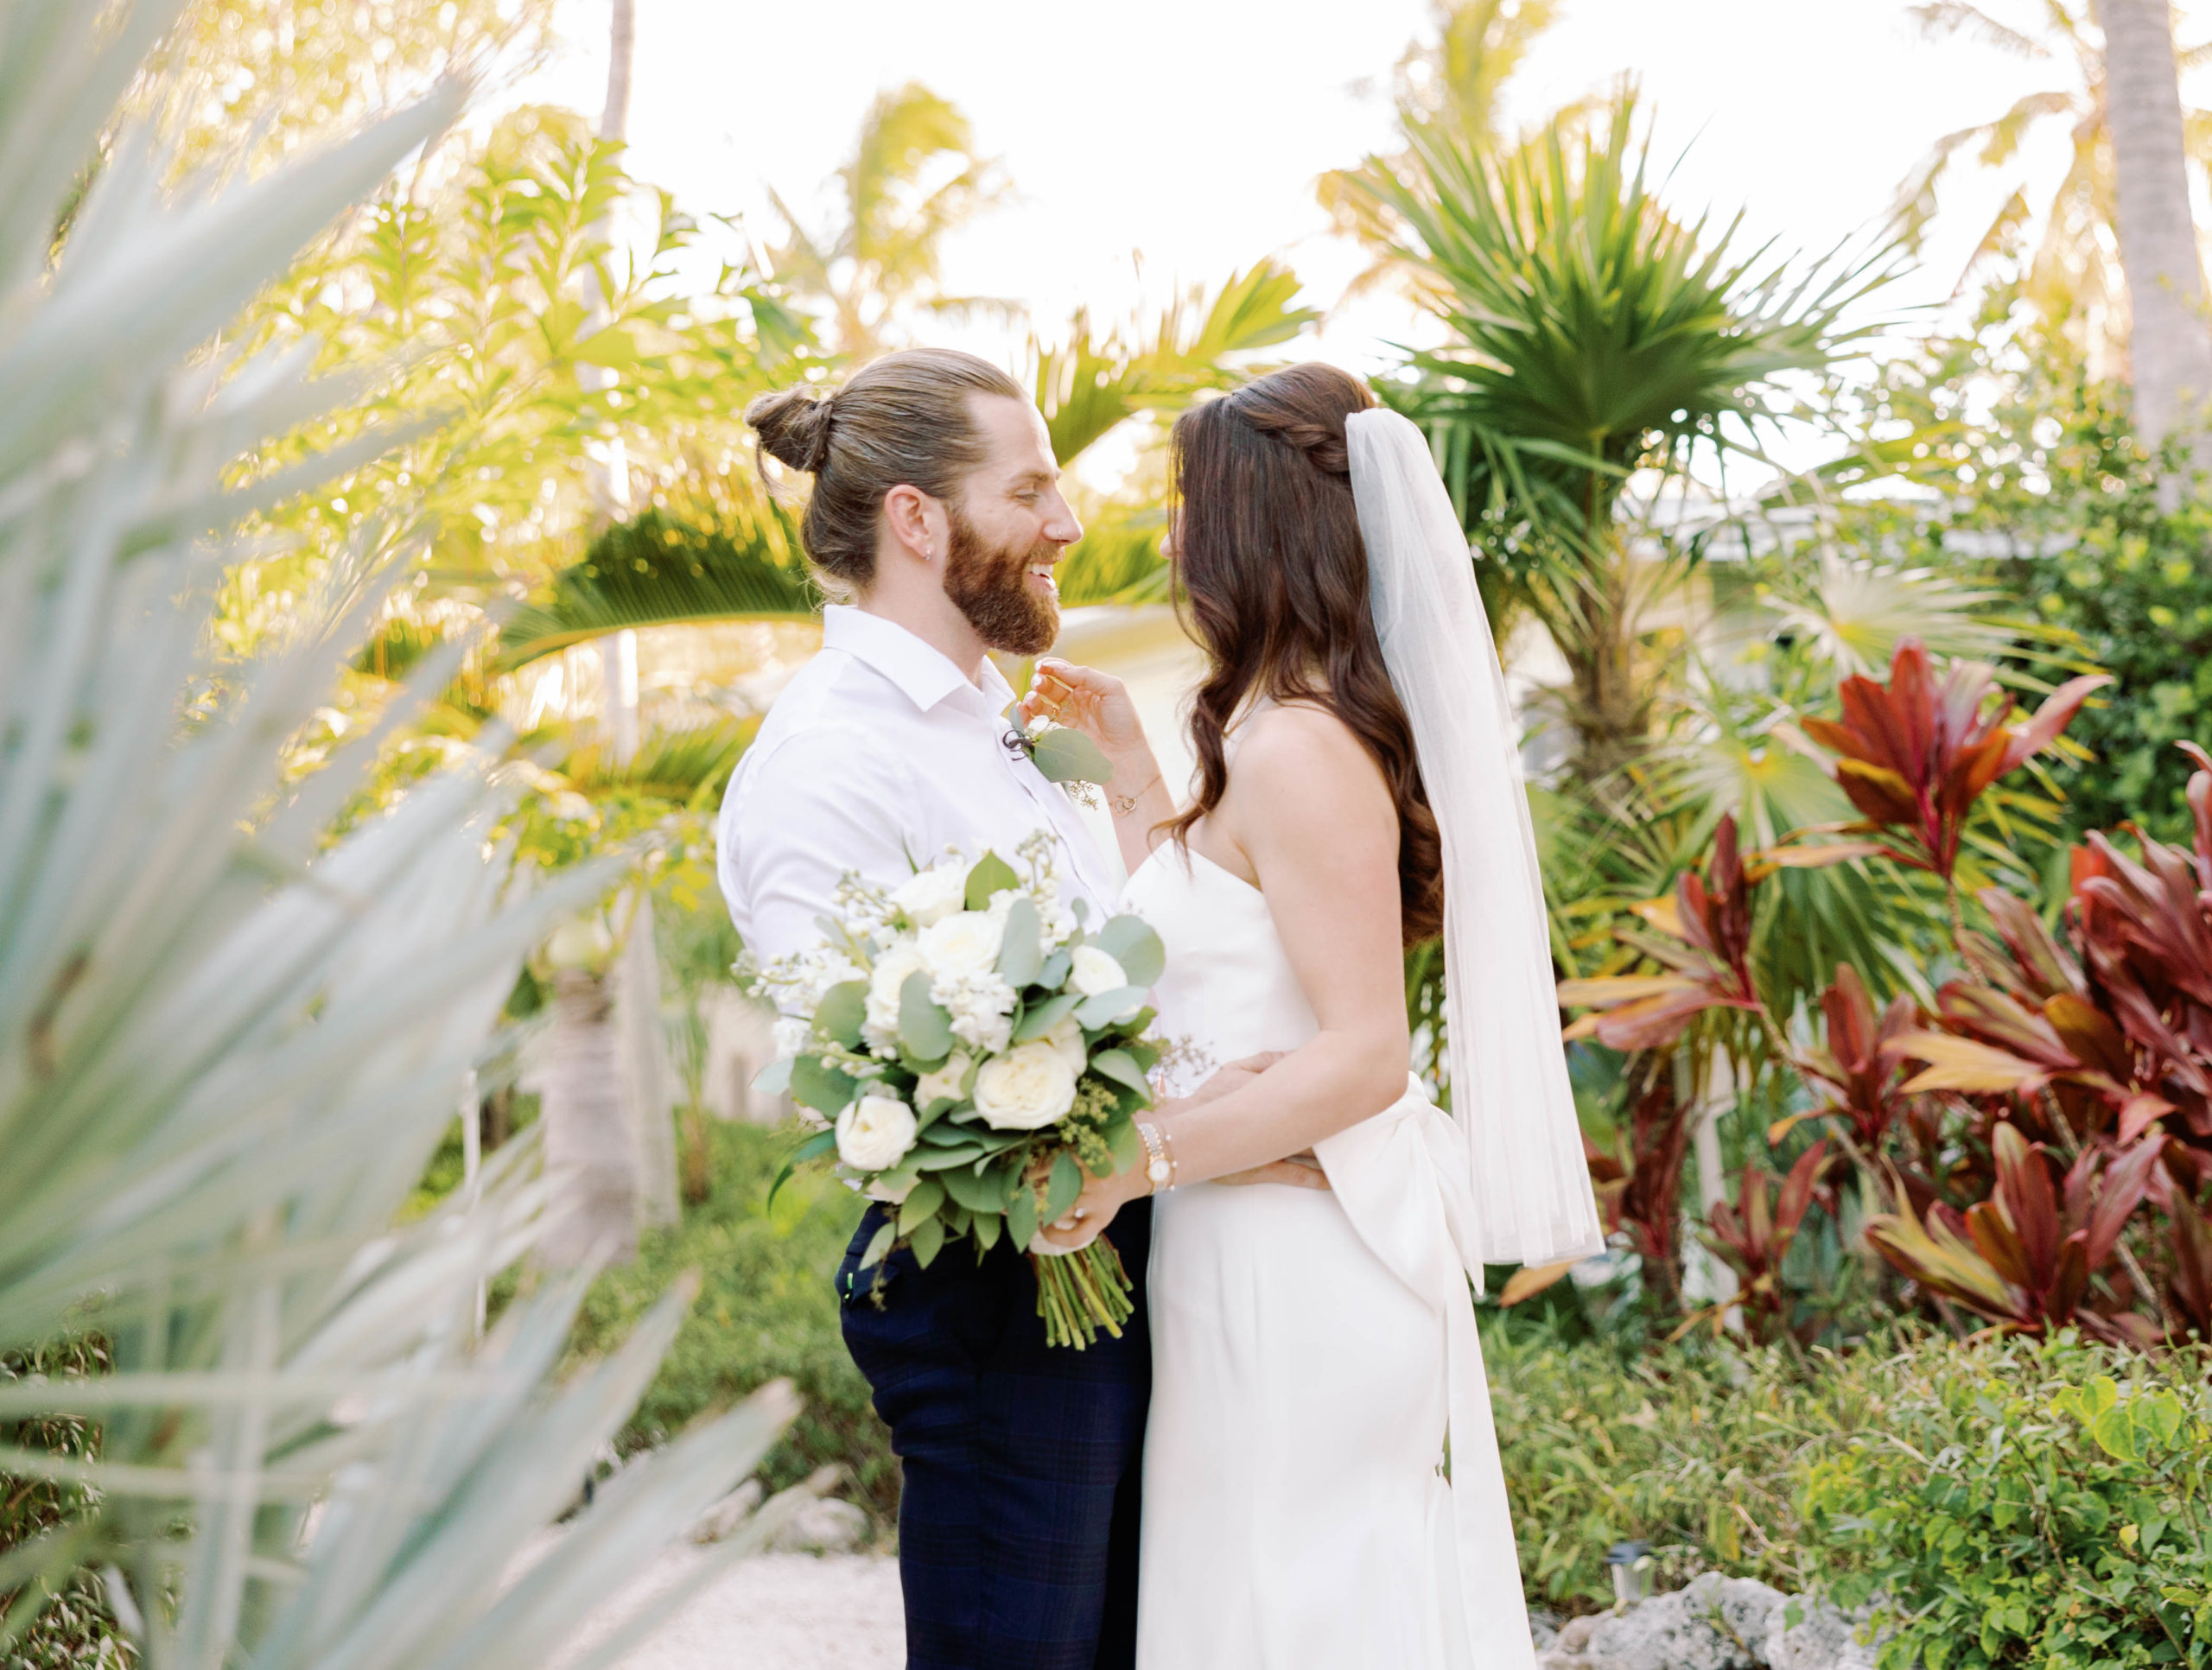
(227, 1048)
(1591, 334)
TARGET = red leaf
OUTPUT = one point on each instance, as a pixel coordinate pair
(2056, 712)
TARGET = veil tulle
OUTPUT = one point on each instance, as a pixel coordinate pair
(1528, 1183)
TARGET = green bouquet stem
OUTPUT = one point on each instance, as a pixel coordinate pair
(1079, 1293)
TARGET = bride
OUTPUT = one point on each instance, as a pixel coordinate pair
(1321, 1486)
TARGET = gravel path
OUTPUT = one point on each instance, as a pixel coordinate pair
(779, 1612)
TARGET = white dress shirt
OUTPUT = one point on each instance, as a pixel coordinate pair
(877, 756)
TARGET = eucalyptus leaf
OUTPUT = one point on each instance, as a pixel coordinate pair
(977, 1194)
(879, 1245)
(927, 1238)
(1116, 1065)
(1068, 756)
(826, 1089)
(1021, 952)
(1065, 1183)
(1132, 942)
(992, 874)
(922, 1201)
(924, 1027)
(1021, 1218)
(1041, 1019)
(988, 1228)
(775, 1078)
(837, 1018)
(1109, 1006)
(1054, 973)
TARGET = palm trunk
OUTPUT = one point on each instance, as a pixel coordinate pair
(2169, 348)
(590, 1158)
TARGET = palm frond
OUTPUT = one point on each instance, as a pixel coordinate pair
(738, 561)
(1117, 561)
(1093, 381)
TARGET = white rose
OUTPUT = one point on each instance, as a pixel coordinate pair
(959, 946)
(930, 896)
(885, 982)
(1033, 1087)
(1091, 971)
(1066, 1036)
(943, 1084)
(875, 1132)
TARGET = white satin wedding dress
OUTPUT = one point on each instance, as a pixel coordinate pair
(1314, 1354)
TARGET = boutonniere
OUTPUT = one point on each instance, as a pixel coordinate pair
(1066, 756)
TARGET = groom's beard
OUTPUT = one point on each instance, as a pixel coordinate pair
(990, 586)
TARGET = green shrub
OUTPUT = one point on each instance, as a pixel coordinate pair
(1696, 1450)
(2027, 1504)
(766, 1309)
(2018, 1502)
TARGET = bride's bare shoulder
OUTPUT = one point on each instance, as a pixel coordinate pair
(1298, 749)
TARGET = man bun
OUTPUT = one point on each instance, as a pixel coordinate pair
(793, 426)
(905, 418)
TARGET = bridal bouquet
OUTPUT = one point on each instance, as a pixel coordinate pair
(970, 1048)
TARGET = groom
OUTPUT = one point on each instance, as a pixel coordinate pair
(936, 508)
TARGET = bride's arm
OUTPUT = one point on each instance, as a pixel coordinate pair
(1098, 705)
(1331, 885)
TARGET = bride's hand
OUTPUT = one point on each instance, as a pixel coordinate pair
(1086, 699)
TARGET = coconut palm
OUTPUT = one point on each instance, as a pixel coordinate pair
(2078, 266)
(2171, 341)
(226, 1051)
(877, 265)
(1592, 334)
(1454, 86)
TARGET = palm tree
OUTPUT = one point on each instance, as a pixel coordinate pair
(227, 1048)
(878, 265)
(1593, 335)
(2170, 340)
(2077, 267)
(1451, 86)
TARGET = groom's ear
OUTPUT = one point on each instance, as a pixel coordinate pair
(915, 524)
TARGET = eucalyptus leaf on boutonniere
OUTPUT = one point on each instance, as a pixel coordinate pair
(1066, 756)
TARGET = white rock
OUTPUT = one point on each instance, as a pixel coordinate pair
(1715, 1623)
(726, 1515)
(824, 1526)
(1825, 1640)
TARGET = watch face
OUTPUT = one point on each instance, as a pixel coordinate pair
(1157, 1173)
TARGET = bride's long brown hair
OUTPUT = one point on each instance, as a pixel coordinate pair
(1271, 579)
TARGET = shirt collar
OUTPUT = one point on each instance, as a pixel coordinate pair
(927, 676)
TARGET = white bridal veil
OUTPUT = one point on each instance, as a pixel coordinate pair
(1529, 1186)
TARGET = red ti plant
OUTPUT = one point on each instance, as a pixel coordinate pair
(1855, 1068)
(1915, 755)
(1707, 960)
(1754, 1235)
(2024, 1258)
(1640, 1193)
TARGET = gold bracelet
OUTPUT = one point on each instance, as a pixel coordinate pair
(1160, 1163)
(1124, 804)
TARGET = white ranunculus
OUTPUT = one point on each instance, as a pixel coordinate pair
(930, 896)
(1032, 1086)
(1091, 971)
(943, 1084)
(962, 945)
(1066, 1036)
(874, 1133)
(885, 981)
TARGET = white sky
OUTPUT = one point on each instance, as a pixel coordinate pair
(1192, 130)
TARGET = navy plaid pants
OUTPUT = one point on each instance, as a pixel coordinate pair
(1018, 1512)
